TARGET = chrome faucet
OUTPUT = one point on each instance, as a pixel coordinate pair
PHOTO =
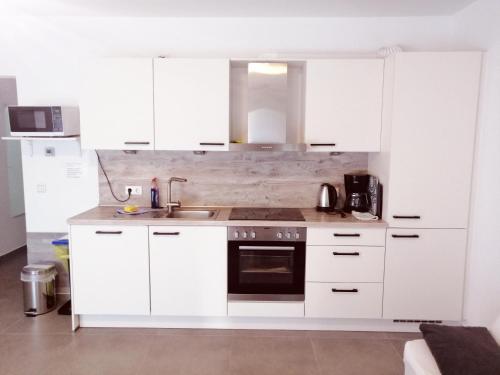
(170, 205)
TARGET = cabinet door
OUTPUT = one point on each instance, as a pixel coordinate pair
(188, 270)
(191, 104)
(424, 274)
(116, 106)
(110, 270)
(433, 125)
(344, 104)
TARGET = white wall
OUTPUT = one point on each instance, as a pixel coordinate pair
(478, 26)
(12, 228)
(46, 56)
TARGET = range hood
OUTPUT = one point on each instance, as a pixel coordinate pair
(267, 106)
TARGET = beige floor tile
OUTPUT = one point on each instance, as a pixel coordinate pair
(357, 357)
(50, 323)
(359, 335)
(272, 355)
(186, 355)
(33, 354)
(105, 355)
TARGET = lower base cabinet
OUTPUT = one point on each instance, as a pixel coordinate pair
(424, 274)
(188, 268)
(344, 300)
(109, 269)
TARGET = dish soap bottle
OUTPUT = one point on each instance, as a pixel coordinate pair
(155, 193)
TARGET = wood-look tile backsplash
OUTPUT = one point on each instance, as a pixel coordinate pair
(266, 179)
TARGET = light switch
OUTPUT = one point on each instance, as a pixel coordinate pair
(41, 188)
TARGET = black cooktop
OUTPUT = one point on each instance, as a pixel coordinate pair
(274, 214)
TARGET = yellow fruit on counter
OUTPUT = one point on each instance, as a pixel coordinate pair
(130, 208)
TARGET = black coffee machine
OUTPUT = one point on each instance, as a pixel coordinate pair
(357, 195)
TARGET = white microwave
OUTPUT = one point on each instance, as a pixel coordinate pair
(53, 121)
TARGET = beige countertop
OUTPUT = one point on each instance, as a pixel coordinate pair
(107, 215)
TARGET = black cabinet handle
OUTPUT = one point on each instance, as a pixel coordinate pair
(346, 235)
(335, 290)
(136, 143)
(166, 233)
(108, 232)
(406, 216)
(405, 236)
(321, 144)
(212, 144)
(355, 253)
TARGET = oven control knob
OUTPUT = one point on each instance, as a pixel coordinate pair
(288, 235)
(279, 235)
(297, 236)
(252, 234)
(236, 234)
(245, 235)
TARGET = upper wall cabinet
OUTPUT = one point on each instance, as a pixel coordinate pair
(344, 104)
(191, 104)
(116, 106)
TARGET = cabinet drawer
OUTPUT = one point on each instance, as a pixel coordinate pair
(345, 263)
(346, 236)
(344, 300)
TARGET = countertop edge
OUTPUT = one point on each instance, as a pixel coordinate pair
(313, 219)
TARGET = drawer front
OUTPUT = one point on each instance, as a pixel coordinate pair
(346, 236)
(345, 263)
(344, 300)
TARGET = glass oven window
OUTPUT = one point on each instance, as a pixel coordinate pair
(266, 267)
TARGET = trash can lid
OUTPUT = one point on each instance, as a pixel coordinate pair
(39, 269)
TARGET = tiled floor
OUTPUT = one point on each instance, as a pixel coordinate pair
(46, 345)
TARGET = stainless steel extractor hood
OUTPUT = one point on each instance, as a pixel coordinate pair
(267, 106)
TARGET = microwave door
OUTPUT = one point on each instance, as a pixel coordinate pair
(25, 120)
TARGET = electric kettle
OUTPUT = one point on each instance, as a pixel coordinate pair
(327, 198)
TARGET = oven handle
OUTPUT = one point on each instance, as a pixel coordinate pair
(287, 248)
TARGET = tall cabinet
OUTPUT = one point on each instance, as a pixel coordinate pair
(426, 167)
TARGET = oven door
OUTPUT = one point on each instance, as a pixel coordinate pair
(266, 270)
(34, 120)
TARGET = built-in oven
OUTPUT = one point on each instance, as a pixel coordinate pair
(266, 263)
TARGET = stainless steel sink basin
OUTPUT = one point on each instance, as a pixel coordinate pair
(192, 214)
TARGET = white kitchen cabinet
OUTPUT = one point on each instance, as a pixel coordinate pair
(345, 263)
(110, 269)
(432, 126)
(424, 274)
(343, 104)
(188, 270)
(346, 236)
(344, 300)
(116, 105)
(191, 104)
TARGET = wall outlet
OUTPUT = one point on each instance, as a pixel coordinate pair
(136, 190)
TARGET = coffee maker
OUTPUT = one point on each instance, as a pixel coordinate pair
(357, 195)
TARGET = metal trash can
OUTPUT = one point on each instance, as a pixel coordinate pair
(39, 287)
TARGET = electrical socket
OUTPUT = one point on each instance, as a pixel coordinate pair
(136, 190)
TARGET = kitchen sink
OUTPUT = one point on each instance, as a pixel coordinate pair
(192, 214)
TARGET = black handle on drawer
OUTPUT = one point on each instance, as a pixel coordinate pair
(166, 233)
(355, 253)
(136, 143)
(322, 144)
(406, 216)
(346, 235)
(353, 290)
(212, 144)
(108, 232)
(405, 236)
